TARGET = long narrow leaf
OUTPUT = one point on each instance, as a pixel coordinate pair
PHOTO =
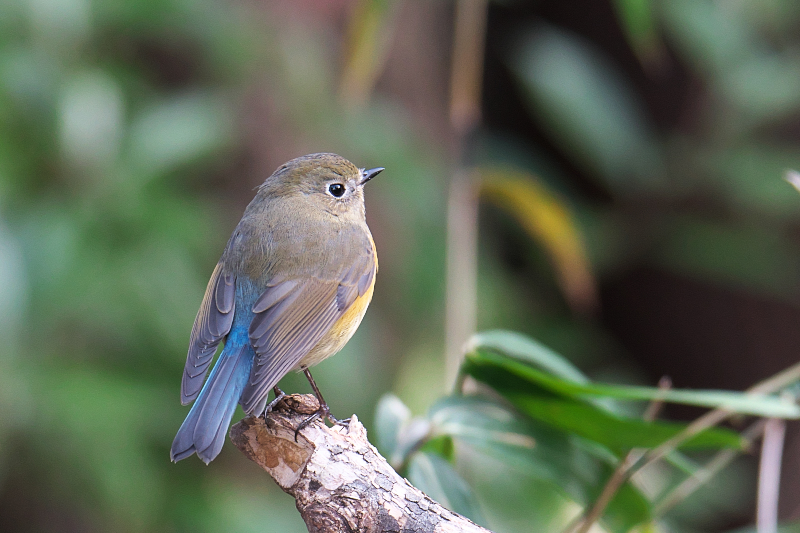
(549, 221)
(527, 350)
(557, 379)
(589, 109)
(544, 400)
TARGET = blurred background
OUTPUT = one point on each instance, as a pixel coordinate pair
(655, 136)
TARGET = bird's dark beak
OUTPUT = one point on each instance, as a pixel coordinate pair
(369, 174)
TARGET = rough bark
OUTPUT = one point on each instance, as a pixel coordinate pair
(338, 479)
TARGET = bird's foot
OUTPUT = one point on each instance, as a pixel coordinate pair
(279, 395)
(320, 412)
(338, 422)
(323, 412)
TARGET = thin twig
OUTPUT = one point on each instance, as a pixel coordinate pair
(617, 479)
(712, 418)
(619, 476)
(462, 209)
(769, 476)
(467, 70)
(702, 475)
(654, 407)
(462, 270)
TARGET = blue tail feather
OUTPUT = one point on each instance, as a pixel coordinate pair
(203, 432)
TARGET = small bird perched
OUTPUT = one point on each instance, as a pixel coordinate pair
(290, 290)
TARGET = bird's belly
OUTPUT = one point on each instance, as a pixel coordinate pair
(340, 332)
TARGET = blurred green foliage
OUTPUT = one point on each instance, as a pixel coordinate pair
(133, 133)
(128, 150)
(558, 427)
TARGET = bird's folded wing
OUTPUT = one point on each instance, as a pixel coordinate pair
(292, 316)
(212, 323)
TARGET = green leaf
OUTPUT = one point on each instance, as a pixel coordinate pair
(91, 117)
(442, 446)
(589, 109)
(370, 30)
(410, 438)
(747, 404)
(628, 508)
(179, 130)
(638, 20)
(487, 426)
(398, 433)
(549, 400)
(391, 415)
(732, 52)
(436, 477)
(711, 37)
(528, 350)
(544, 453)
(551, 223)
(618, 433)
(521, 363)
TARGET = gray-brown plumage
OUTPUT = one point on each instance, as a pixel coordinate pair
(291, 288)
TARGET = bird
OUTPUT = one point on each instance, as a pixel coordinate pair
(291, 288)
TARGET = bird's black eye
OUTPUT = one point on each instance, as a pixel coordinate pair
(336, 189)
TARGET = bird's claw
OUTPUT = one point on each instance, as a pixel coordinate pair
(338, 422)
(306, 422)
(279, 395)
(323, 412)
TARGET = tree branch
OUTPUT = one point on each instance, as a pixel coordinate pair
(338, 479)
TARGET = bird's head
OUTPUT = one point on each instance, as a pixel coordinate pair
(326, 181)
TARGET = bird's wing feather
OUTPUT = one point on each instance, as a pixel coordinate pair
(292, 316)
(212, 323)
(356, 280)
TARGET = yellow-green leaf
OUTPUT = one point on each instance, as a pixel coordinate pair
(550, 223)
